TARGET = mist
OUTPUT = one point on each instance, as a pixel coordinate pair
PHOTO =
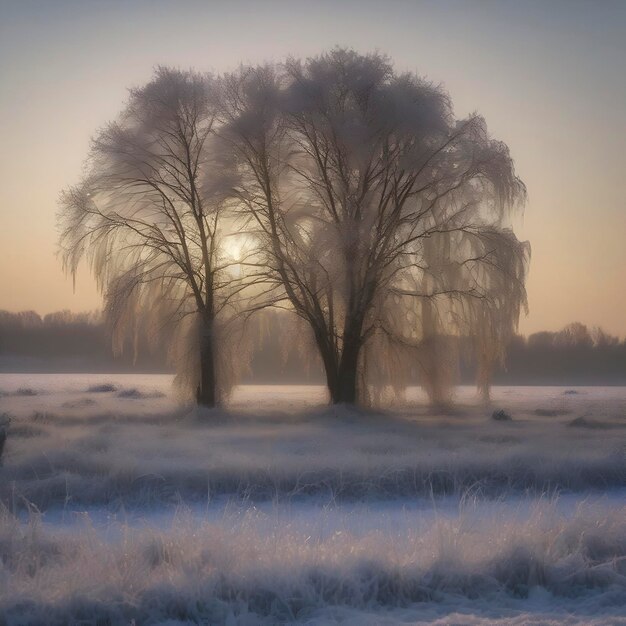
(67, 342)
(312, 313)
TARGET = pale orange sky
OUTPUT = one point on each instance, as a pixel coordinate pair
(548, 77)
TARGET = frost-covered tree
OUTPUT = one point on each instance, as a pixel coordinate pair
(380, 218)
(149, 217)
(370, 212)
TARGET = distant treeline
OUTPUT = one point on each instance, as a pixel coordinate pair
(574, 355)
(68, 342)
(80, 342)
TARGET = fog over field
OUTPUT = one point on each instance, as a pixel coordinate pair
(120, 504)
(312, 313)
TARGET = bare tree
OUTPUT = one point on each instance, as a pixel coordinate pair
(149, 216)
(380, 218)
(376, 217)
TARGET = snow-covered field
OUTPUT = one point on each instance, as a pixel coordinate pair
(118, 504)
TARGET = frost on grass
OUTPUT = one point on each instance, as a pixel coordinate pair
(136, 394)
(284, 510)
(199, 572)
(141, 448)
(102, 388)
(25, 391)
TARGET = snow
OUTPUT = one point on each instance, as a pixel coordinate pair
(125, 506)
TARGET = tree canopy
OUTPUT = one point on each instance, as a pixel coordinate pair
(364, 207)
(149, 216)
(381, 219)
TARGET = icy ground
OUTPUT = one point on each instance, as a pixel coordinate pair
(118, 504)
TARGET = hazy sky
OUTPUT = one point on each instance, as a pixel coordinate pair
(549, 77)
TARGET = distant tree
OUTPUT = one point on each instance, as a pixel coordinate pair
(602, 339)
(379, 217)
(574, 335)
(542, 340)
(149, 217)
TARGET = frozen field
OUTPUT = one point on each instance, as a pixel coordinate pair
(118, 504)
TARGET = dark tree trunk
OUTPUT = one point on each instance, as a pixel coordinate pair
(332, 379)
(331, 368)
(206, 393)
(347, 377)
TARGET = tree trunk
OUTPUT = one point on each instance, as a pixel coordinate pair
(332, 379)
(346, 391)
(331, 369)
(206, 393)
